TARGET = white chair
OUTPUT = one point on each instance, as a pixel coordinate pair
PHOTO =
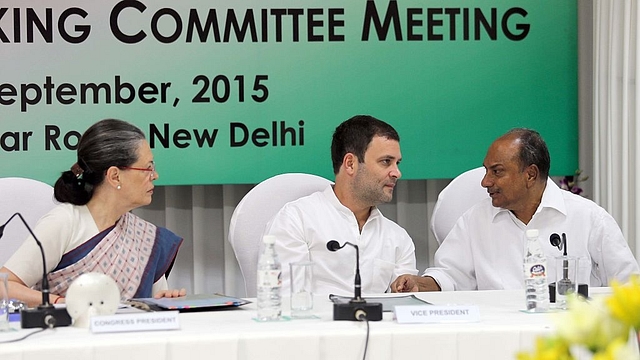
(30, 198)
(255, 210)
(455, 199)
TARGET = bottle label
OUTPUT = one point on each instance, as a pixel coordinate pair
(269, 278)
(535, 270)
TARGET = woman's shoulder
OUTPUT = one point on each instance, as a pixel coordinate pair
(72, 224)
(67, 212)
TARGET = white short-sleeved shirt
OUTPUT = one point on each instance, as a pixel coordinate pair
(485, 248)
(61, 230)
(303, 228)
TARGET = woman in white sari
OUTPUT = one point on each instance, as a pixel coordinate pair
(93, 230)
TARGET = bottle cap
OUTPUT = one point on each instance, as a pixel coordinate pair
(269, 239)
(532, 233)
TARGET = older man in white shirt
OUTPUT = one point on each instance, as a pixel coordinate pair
(485, 249)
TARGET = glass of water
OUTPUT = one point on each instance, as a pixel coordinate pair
(301, 289)
(4, 302)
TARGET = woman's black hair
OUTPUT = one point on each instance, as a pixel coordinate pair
(107, 143)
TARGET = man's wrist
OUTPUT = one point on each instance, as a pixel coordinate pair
(428, 283)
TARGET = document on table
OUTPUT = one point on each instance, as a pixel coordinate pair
(196, 302)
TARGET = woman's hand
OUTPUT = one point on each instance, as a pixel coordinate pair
(170, 293)
(19, 290)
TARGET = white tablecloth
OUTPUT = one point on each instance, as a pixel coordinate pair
(503, 329)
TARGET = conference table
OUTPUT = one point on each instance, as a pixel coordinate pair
(503, 330)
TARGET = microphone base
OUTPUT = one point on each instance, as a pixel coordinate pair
(44, 317)
(348, 311)
(583, 289)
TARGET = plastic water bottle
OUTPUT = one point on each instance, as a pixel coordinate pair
(269, 282)
(535, 274)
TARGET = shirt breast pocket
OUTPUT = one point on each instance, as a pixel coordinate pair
(382, 275)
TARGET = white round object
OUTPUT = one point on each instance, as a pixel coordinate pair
(91, 294)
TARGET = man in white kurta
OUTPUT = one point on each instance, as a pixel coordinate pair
(365, 153)
(303, 228)
(485, 248)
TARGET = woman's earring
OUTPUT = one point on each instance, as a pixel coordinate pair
(118, 187)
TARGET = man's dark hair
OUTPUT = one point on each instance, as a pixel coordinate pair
(354, 135)
(533, 150)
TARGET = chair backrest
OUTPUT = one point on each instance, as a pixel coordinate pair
(255, 210)
(32, 199)
(455, 199)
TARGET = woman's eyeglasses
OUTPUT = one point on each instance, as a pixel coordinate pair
(151, 169)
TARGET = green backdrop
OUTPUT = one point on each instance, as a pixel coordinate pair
(273, 79)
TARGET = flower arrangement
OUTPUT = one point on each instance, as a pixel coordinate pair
(570, 182)
(596, 329)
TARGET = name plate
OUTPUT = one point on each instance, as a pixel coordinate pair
(414, 314)
(158, 320)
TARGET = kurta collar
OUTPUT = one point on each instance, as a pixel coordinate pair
(551, 198)
(330, 195)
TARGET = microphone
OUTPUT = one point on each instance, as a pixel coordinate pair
(45, 315)
(564, 284)
(565, 262)
(335, 246)
(357, 309)
(562, 246)
(555, 241)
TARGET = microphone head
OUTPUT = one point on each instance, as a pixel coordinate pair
(333, 245)
(555, 240)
